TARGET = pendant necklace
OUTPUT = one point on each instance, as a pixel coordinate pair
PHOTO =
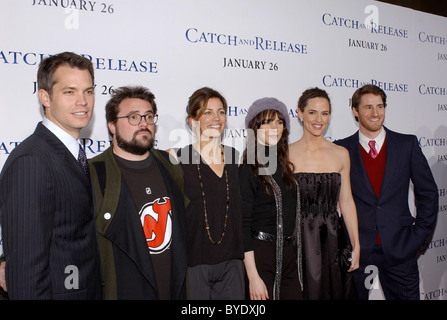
(207, 227)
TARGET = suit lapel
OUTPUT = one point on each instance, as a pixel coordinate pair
(392, 154)
(61, 151)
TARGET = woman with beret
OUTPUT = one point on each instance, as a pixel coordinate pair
(271, 226)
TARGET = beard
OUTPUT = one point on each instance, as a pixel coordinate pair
(134, 146)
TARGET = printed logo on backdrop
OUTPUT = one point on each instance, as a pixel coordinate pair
(438, 244)
(434, 295)
(425, 37)
(7, 146)
(196, 36)
(370, 24)
(73, 7)
(434, 39)
(100, 89)
(435, 91)
(442, 56)
(12, 57)
(332, 81)
(432, 142)
(91, 147)
(438, 254)
(435, 142)
(235, 111)
(81, 5)
(425, 89)
(121, 64)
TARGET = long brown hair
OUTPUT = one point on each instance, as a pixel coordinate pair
(282, 157)
(199, 99)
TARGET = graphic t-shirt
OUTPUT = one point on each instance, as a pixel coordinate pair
(151, 197)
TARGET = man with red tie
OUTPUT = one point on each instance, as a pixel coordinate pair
(383, 163)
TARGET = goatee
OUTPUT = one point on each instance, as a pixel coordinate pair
(134, 146)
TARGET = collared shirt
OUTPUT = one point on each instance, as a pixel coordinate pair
(380, 139)
(71, 143)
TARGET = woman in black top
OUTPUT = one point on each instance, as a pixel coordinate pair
(271, 218)
(214, 217)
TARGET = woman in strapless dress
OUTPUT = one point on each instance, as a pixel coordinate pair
(321, 169)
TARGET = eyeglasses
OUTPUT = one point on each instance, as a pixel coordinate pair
(135, 118)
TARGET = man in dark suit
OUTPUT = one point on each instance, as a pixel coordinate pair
(46, 202)
(140, 205)
(383, 163)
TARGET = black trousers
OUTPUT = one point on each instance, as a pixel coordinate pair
(399, 282)
(265, 259)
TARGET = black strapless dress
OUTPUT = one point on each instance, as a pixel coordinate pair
(320, 220)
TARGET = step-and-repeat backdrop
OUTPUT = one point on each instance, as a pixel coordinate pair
(246, 50)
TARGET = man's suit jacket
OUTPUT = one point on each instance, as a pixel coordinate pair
(48, 223)
(401, 234)
(126, 262)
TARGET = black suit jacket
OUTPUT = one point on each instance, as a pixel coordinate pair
(401, 234)
(48, 223)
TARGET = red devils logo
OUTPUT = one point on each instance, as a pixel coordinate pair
(157, 224)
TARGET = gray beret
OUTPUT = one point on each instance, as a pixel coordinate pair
(266, 104)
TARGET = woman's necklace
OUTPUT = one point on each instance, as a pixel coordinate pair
(207, 227)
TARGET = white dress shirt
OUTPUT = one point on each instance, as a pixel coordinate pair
(71, 143)
(380, 139)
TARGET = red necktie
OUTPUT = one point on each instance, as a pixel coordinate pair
(372, 149)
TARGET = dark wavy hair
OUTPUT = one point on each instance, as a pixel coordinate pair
(198, 101)
(283, 162)
(121, 93)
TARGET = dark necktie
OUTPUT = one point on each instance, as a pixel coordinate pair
(372, 149)
(82, 159)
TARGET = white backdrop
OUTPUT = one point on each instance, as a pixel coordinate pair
(246, 50)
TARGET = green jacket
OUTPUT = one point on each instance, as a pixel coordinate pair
(127, 270)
